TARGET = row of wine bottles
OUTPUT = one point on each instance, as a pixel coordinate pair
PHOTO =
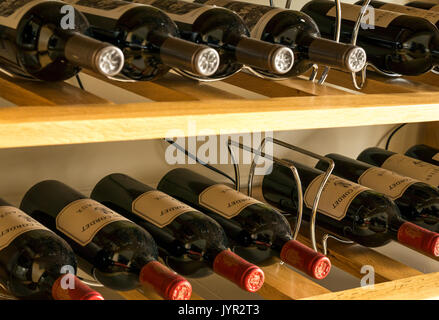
(397, 39)
(212, 39)
(142, 40)
(198, 226)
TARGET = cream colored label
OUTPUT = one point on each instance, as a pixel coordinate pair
(387, 182)
(436, 157)
(112, 9)
(159, 208)
(336, 196)
(225, 201)
(14, 222)
(414, 168)
(435, 8)
(83, 218)
(177, 10)
(256, 17)
(12, 11)
(372, 17)
(431, 16)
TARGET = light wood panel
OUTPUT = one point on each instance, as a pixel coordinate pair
(200, 90)
(268, 88)
(429, 133)
(27, 93)
(34, 126)
(282, 283)
(417, 287)
(147, 89)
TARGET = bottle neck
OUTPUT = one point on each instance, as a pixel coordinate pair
(92, 54)
(69, 287)
(334, 54)
(244, 274)
(265, 56)
(415, 237)
(198, 59)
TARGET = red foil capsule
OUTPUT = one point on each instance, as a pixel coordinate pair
(167, 283)
(305, 259)
(419, 238)
(69, 287)
(246, 275)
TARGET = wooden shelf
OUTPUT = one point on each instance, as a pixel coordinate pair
(42, 117)
(61, 113)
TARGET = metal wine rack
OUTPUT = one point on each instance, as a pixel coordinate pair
(40, 114)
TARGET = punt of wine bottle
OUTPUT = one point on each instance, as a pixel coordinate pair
(424, 153)
(149, 39)
(417, 201)
(35, 43)
(394, 42)
(34, 260)
(297, 31)
(431, 6)
(347, 209)
(117, 252)
(257, 231)
(404, 165)
(225, 31)
(189, 241)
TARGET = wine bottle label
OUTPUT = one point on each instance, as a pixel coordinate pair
(159, 208)
(431, 16)
(387, 182)
(112, 9)
(350, 12)
(336, 196)
(83, 218)
(15, 222)
(179, 11)
(12, 11)
(256, 17)
(435, 157)
(225, 201)
(414, 168)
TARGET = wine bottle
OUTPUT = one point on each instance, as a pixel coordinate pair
(431, 16)
(225, 31)
(404, 165)
(347, 209)
(34, 260)
(297, 31)
(394, 42)
(190, 242)
(424, 153)
(149, 40)
(257, 231)
(118, 253)
(431, 6)
(35, 44)
(417, 201)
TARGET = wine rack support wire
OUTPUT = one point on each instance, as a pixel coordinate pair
(259, 153)
(325, 239)
(16, 76)
(194, 77)
(325, 73)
